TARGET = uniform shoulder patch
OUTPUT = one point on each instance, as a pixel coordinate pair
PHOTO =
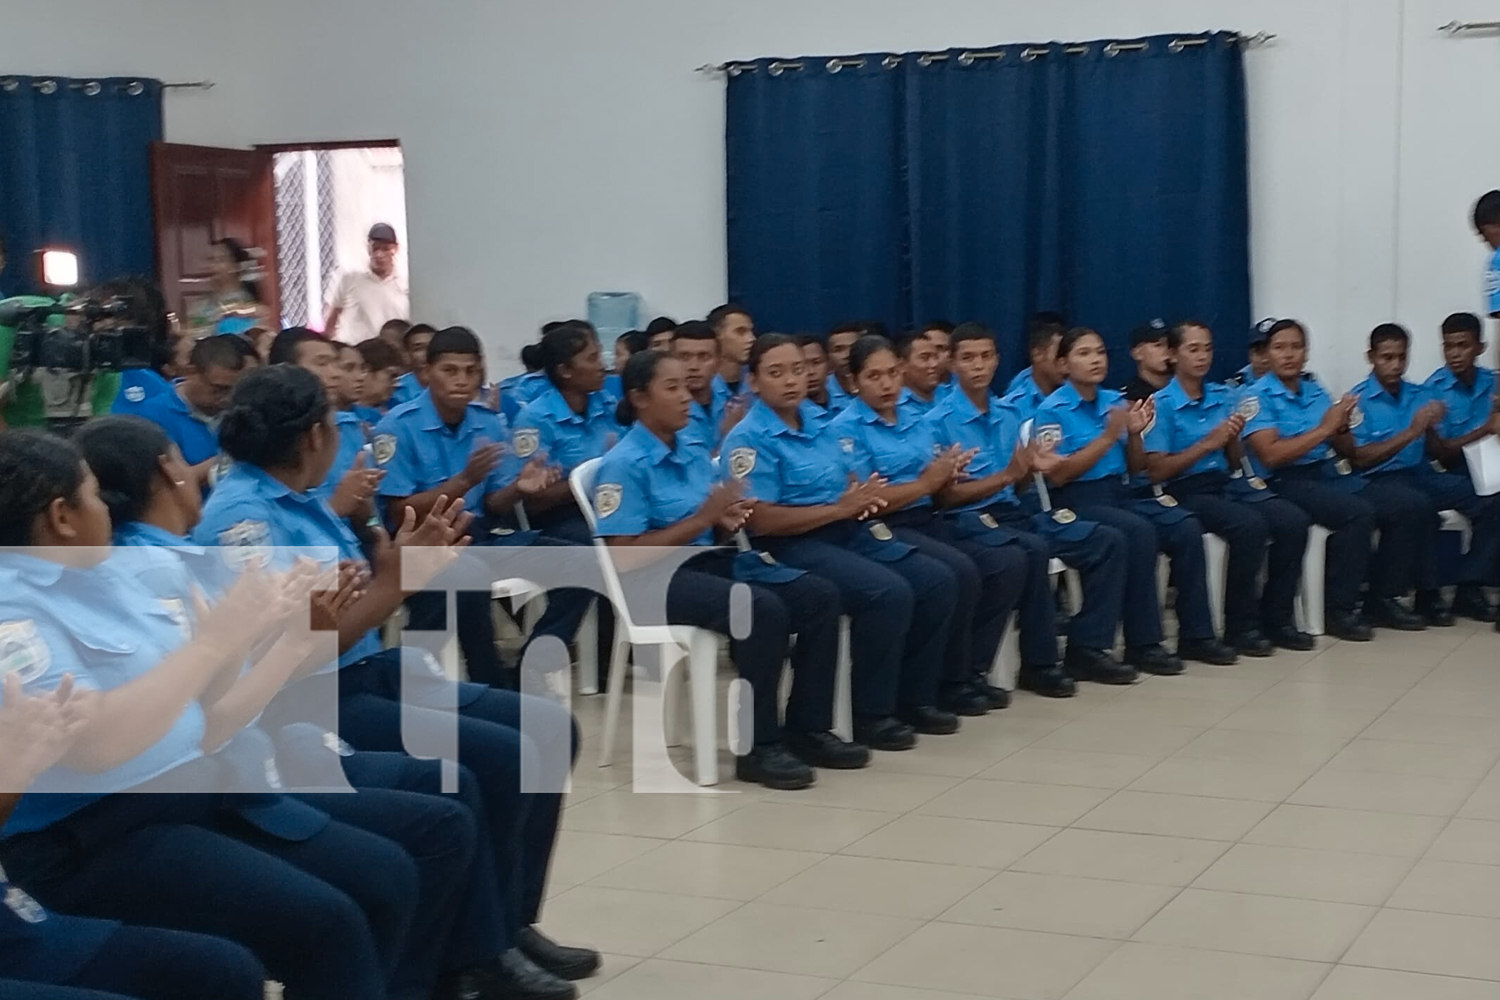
(1249, 407)
(847, 444)
(245, 543)
(23, 651)
(742, 462)
(135, 393)
(1356, 417)
(1049, 435)
(607, 498)
(526, 442)
(384, 447)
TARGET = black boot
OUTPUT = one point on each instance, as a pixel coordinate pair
(1154, 659)
(929, 720)
(1251, 642)
(517, 977)
(997, 697)
(1210, 651)
(962, 699)
(1433, 610)
(1049, 681)
(1084, 664)
(1349, 628)
(774, 766)
(560, 960)
(884, 733)
(1289, 637)
(1387, 612)
(1470, 602)
(827, 750)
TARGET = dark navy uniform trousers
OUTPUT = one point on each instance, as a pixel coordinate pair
(1454, 491)
(1350, 520)
(147, 963)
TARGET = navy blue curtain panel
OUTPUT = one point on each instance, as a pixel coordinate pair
(75, 172)
(1106, 180)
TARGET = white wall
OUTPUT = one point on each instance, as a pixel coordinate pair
(561, 147)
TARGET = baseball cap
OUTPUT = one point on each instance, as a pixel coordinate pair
(382, 233)
(1149, 333)
(1261, 332)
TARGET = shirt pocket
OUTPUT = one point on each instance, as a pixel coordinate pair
(802, 482)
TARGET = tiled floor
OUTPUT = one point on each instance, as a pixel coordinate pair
(1321, 825)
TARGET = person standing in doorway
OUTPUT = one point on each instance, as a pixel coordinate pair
(362, 302)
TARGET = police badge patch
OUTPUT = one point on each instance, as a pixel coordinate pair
(245, 544)
(1249, 407)
(847, 444)
(1356, 417)
(23, 652)
(607, 498)
(135, 394)
(1049, 436)
(384, 447)
(742, 462)
(527, 440)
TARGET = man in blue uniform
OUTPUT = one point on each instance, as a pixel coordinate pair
(1487, 225)
(815, 360)
(414, 343)
(190, 414)
(711, 414)
(923, 371)
(1151, 347)
(1391, 428)
(736, 332)
(1045, 375)
(840, 383)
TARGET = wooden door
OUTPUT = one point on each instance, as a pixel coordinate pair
(201, 194)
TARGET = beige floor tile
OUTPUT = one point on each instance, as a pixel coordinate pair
(792, 827)
(1236, 687)
(794, 939)
(1441, 944)
(1473, 841)
(879, 885)
(1193, 816)
(1431, 760)
(580, 856)
(1421, 727)
(1349, 982)
(1346, 720)
(1123, 857)
(1226, 779)
(1394, 793)
(945, 840)
(1332, 876)
(610, 966)
(1196, 713)
(1305, 929)
(874, 788)
(1280, 749)
(664, 816)
(1061, 904)
(1484, 803)
(1153, 972)
(962, 757)
(1071, 767)
(1090, 734)
(1450, 701)
(875, 991)
(1327, 829)
(1017, 802)
(721, 871)
(1295, 693)
(988, 961)
(629, 923)
(655, 979)
(1450, 887)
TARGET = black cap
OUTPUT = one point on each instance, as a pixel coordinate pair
(1149, 333)
(382, 233)
(1261, 332)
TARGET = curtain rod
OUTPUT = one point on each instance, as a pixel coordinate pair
(969, 57)
(1459, 27)
(193, 85)
(93, 88)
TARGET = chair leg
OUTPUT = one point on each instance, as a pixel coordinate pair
(1007, 658)
(673, 676)
(843, 687)
(1313, 570)
(588, 651)
(1216, 559)
(703, 663)
(612, 706)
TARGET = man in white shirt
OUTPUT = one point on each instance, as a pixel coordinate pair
(361, 302)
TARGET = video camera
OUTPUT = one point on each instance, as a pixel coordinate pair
(87, 333)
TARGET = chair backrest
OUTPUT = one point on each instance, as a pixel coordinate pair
(1043, 496)
(581, 481)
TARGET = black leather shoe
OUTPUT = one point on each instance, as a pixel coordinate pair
(1387, 612)
(517, 977)
(1349, 628)
(929, 720)
(1433, 610)
(888, 734)
(560, 960)
(962, 699)
(774, 766)
(1154, 659)
(827, 750)
(1470, 602)
(1097, 665)
(1050, 681)
(469, 985)
(1251, 643)
(1210, 651)
(999, 698)
(1290, 638)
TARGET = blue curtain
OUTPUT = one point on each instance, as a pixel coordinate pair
(1105, 180)
(75, 172)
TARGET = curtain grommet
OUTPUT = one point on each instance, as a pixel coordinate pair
(47, 87)
(9, 85)
(891, 61)
(135, 88)
(92, 88)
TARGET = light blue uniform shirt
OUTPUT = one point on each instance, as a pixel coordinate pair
(136, 386)
(838, 399)
(704, 422)
(1290, 412)
(1070, 422)
(250, 510)
(406, 389)
(417, 451)
(353, 438)
(1381, 416)
(645, 486)
(548, 426)
(525, 388)
(1492, 285)
(793, 468)
(1024, 397)
(921, 407)
(1182, 422)
(994, 433)
(1469, 406)
(98, 626)
(1021, 378)
(899, 452)
(197, 439)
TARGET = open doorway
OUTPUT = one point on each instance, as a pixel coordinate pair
(328, 195)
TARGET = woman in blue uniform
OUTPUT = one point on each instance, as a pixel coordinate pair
(888, 438)
(1099, 439)
(1194, 450)
(251, 870)
(810, 511)
(1290, 427)
(280, 432)
(657, 488)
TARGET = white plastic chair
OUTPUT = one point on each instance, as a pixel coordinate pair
(1216, 573)
(1007, 666)
(701, 645)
